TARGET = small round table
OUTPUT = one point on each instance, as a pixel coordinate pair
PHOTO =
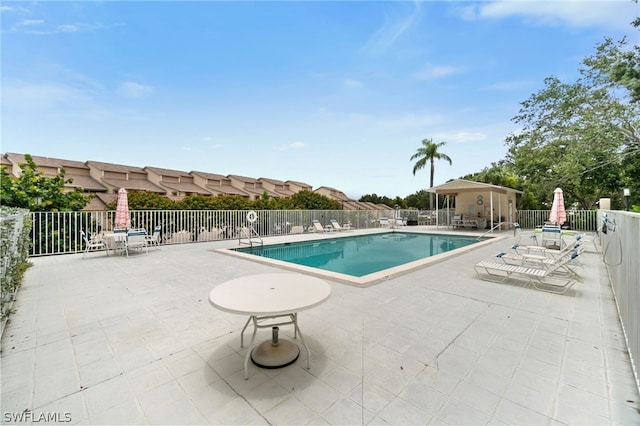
(267, 297)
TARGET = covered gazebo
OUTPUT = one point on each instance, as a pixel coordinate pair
(491, 205)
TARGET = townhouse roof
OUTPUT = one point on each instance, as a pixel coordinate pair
(300, 184)
(115, 167)
(135, 184)
(180, 185)
(71, 167)
(206, 175)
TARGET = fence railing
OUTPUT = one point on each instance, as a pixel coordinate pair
(581, 220)
(59, 232)
(620, 247)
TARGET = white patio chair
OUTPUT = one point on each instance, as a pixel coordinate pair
(137, 239)
(154, 239)
(93, 244)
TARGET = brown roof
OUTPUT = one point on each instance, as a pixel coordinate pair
(46, 161)
(167, 172)
(273, 181)
(115, 167)
(227, 190)
(244, 178)
(137, 184)
(85, 182)
(301, 184)
(261, 191)
(79, 181)
(206, 175)
(186, 187)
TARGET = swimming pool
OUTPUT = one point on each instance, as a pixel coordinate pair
(361, 259)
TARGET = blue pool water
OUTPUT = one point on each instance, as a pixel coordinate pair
(362, 254)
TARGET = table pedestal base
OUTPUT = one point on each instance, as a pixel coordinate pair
(278, 355)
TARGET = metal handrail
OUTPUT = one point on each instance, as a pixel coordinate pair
(249, 235)
(516, 226)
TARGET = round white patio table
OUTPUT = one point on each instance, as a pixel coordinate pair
(265, 298)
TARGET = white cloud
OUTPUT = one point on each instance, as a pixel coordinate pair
(610, 14)
(130, 89)
(391, 30)
(42, 96)
(353, 84)
(433, 72)
(294, 145)
(30, 22)
(298, 145)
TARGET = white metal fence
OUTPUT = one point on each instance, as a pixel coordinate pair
(620, 242)
(59, 232)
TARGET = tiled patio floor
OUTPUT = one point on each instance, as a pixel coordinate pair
(116, 340)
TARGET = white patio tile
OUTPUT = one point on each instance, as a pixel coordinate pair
(511, 413)
(148, 377)
(426, 347)
(423, 396)
(290, 412)
(126, 413)
(476, 397)
(341, 379)
(317, 395)
(456, 413)
(401, 412)
(72, 407)
(344, 412)
(99, 371)
(266, 395)
(237, 412)
(105, 395)
(371, 397)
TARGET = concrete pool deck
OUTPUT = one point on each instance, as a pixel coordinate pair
(117, 340)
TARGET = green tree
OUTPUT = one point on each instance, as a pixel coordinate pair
(579, 136)
(309, 200)
(36, 192)
(418, 200)
(377, 199)
(429, 152)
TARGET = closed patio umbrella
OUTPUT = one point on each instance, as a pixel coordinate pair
(558, 215)
(122, 210)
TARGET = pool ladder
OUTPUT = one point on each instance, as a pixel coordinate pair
(249, 233)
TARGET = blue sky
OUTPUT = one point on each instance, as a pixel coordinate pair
(329, 93)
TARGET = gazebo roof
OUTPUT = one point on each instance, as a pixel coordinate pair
(457, 186)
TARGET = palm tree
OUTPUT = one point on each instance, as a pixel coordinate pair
(429, 152)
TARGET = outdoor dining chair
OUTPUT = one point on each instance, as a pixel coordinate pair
(93, 244)
(154, 239)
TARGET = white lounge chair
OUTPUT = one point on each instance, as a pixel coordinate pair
(316, 226)
(335, 225)
(384, 222)
(93, 244)
(544, 279)
(546, 261)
